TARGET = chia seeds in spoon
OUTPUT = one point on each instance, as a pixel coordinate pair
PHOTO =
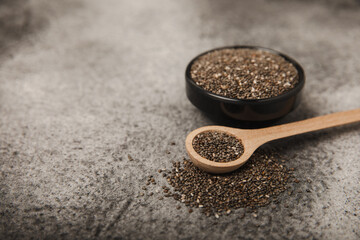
(244, 73)
(218, 146)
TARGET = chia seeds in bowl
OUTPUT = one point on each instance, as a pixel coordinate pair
(252, 84)
(244, 73)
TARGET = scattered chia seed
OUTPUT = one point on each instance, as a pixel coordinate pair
(149, 181)
(244, 73)
(218, 146)
(255, 184)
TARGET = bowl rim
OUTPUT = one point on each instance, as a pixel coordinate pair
(278, 98)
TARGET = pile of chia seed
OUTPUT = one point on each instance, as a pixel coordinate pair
(244, 73)
(255, 184)
(218, 146)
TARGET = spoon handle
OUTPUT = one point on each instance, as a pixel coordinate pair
(309, 125)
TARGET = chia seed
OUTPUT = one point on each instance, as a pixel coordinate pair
(244, 73)
(218, 146)
(255, 184)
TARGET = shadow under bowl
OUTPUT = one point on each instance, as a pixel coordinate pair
(248, 111)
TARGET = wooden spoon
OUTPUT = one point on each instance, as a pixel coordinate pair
(252, 139)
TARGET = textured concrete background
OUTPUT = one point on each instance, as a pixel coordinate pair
(85, 83)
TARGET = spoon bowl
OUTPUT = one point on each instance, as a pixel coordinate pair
(252, 139)
(247, 138)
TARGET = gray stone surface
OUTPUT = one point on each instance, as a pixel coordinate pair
(85, 83)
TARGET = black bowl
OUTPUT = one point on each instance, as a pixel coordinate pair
(245, 110)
